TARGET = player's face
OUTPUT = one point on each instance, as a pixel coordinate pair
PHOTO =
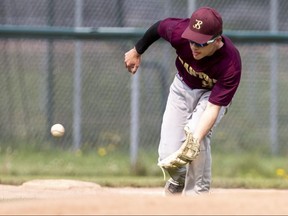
(200, 51)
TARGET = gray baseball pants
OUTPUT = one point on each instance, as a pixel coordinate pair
(185, 107)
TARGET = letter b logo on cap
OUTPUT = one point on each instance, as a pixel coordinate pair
(198, 24)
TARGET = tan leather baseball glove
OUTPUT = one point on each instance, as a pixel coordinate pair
(185, 154)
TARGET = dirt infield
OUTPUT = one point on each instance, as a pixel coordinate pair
(56, 197)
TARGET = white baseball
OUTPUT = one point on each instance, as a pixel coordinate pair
(57, 130)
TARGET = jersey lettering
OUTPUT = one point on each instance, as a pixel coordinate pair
(207, 82)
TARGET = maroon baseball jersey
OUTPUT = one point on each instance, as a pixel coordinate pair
(220, 72)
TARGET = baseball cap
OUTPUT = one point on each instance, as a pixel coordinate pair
(205, 23)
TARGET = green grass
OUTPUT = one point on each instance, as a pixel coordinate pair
(113, 168)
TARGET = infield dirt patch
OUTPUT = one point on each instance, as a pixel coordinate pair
(78, 197)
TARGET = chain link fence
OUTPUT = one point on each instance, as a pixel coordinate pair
(40, 79)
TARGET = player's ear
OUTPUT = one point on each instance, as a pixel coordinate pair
(219, 38)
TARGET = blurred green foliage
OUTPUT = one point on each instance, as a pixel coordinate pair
(109, 167)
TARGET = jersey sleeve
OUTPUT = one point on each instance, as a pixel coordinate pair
(224, 90)
(164, 29)
(169, 26)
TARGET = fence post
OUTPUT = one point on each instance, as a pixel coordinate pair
(77, 102)
(134, 124)
(50, 69)
(273, 80)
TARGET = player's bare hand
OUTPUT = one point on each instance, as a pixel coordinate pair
(132, 60)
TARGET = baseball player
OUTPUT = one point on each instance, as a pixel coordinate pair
(208, 75)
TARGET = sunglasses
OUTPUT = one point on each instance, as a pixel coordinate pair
(204, 44)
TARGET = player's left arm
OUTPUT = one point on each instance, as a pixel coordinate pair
(190, 149)
(222, 93)
(207, 121)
